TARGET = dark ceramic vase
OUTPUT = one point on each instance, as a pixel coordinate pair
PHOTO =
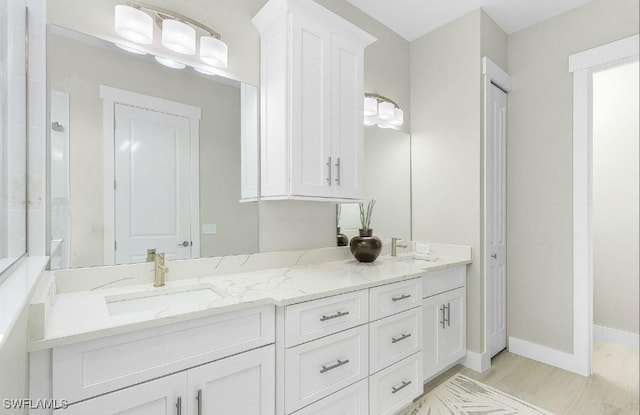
(365, 248)
(342, 238)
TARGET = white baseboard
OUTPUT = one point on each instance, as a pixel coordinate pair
(623, 338)
(476, 361)
(544, 354)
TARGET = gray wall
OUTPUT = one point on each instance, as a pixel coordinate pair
(615, 198)
(79, 69)
(539, 154)
(446, 106)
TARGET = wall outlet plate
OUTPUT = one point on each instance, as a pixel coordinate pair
(422, 248)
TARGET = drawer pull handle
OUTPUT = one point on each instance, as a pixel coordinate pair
(179, 406)
(336, 315)
(339, 363)
(402, 297)
(396, 389)
(401, 338)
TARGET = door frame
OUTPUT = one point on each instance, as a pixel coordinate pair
(583, 65)
(112, 96)
(491, 74)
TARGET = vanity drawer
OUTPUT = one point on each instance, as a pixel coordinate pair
(436, 282)
(95, 367)
(316, 369)
(394, 338)
(393, 298)
(318, 318)
(352, 400)
(396, 386)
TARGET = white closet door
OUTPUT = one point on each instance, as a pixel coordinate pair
(496, 220)
(152, 196)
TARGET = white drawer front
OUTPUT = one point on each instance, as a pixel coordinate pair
(94, 367)
(352, 400)
(394, 338)
(314, 370)
(436, 282)
(318, 318)
(393, 298)
(396, 386)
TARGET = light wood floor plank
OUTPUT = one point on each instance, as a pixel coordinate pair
(614, 388)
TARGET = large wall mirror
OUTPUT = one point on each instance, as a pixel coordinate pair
(13, 137)
(388, 181)
(143, 156)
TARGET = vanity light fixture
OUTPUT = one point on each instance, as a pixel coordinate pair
(382, 111)
(170, 63)
(210, 72)
(178, 37)
(134, 22)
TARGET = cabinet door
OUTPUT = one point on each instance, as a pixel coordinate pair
(157, 397)
(347, 131)
(238, 385)
(432, 318)
(453, 343)
(310, 109)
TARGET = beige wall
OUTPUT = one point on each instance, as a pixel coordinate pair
(446, 106)
(539, 176)
(79, 69)
(615, 198)
(14, 365)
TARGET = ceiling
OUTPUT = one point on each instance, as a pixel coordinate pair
(413, 18)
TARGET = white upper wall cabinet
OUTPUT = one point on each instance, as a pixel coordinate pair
(311, 84)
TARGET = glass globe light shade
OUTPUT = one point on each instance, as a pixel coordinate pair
(178, 37)
(133, 24)
(214, 51)
(370, 106)
(386, 110)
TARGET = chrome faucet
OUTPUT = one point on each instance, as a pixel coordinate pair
(159, 269)
(395, 245)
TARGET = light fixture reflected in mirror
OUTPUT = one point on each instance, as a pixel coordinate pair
(170, 63)
(135, 22)
(130, 49)
(381, 111)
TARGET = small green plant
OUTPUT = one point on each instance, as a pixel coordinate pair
(365, 214)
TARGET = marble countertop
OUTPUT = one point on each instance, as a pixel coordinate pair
(72, 317)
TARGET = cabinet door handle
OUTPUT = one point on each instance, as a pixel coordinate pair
(338, 171)
(404, 384)
(443, 319)
(329, 168)
(494, 256)
(448, 314)
(326, 368)
(332, 316)
(402, 337)
(179, 406)
(199, 399)
(402, 297)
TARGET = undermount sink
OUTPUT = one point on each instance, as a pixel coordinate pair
(161, 298)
